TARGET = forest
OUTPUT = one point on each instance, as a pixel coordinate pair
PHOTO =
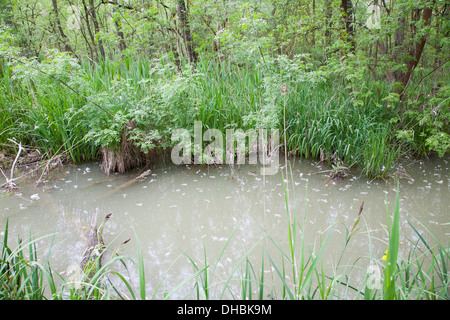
(366, 81)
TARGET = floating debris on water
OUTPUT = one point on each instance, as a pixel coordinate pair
(35, 197)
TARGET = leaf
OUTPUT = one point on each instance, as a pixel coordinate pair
(391, 260)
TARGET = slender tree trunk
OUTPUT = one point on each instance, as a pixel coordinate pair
(96, 27)
(118, 24)
(347, 15)
(438, 46)
(64, 38)
(402, 52)
(88, 27)
(186, 31)
(414, 52)
(313, 31)
(328, 22)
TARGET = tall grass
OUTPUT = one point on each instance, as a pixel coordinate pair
(321, 117)
(42, 113)
(22, 277)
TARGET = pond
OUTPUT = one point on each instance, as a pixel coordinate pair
(180, 213)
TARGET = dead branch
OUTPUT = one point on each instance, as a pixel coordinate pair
(9, 182)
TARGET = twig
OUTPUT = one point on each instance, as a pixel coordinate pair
(429, 74)
(52, 158)
(17, 156)
(9, 182)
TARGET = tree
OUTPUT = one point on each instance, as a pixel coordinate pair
(186, 31)
(92, 11)
(347, 15)
(64, 38)
(408, 48)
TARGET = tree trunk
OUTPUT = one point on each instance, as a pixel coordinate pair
(88, 27)
(118, 24)
(313, 31)
(414, 52)
(186, 31)
(328, 22)
(96, 27)
(438, 46)
(65, 40)
(347, 15)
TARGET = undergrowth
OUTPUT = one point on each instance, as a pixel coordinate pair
(61, 105)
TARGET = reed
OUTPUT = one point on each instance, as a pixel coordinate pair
(322, 119)
(22, 276)
(41, 114)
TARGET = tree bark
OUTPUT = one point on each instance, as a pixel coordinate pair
(328, 22)
(347, 15)
(96, 27)
(88, 27)
(186, 31)
(118, 24)
(415, 53)
(65, 40)
(313, 30)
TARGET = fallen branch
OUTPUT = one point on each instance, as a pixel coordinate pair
(127, 184)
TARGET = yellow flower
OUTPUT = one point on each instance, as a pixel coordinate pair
(385, 255)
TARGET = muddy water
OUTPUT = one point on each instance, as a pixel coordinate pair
(187, 211)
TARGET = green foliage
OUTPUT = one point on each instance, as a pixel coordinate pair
(391, 260)
(426, 126)
(156, 99)
(39, 111)
(22, 277)
(348, 85)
